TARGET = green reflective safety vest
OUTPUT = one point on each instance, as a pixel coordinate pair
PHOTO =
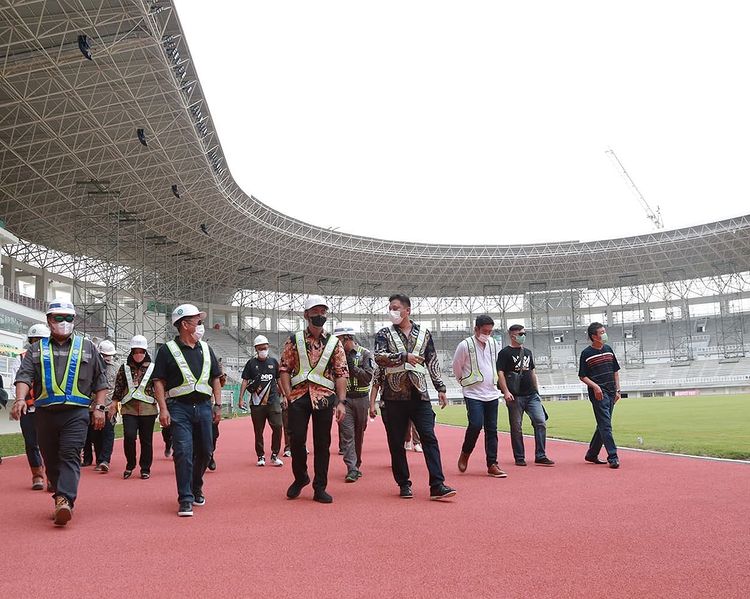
(418, 347)
(51, 393)
(353, 386)
(313, 374)
(138, 392)
(476, 376)
(189, 382)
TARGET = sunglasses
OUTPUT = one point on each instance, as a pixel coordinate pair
(63, 318)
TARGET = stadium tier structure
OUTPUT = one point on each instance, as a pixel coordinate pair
(115, 193)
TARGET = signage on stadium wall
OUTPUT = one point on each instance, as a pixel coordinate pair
(687, 392)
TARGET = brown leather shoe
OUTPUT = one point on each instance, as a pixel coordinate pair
(463, 461)
(495, 471)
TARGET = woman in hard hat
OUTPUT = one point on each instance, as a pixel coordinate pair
(103, 440)
(134, 393)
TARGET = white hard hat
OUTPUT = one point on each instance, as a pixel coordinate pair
(341, 331)
(315, 300)
(138, 342)
(260, 340)
(58, 307)
(38, 331)
(184, 310)
(107, 348)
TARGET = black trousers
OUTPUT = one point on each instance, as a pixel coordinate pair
(420, 412)
(61, 434)
(261, 414)
(143, 428)
(300, 412)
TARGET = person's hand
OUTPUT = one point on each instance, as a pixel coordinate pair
(617, 396)
(18, 409)
(241, 404)
(284, 403)
(216, 414)
(373, 411)
(442, 399)
(597, 393)
(414, 359)
(97, 417)
(164, 418)
(340, 412)
(509, 397)
(112, 411)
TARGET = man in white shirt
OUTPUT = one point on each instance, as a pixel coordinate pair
(474, 365)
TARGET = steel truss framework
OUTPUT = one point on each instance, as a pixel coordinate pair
(163, 220)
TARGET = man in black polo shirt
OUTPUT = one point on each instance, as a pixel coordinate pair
(599, 370)
(186, 376)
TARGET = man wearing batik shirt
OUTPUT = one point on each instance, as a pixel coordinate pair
(313, 377)
(599, 371)
(406, 352)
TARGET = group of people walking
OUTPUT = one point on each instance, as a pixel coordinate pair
(68, 393)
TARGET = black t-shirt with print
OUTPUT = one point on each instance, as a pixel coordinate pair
(508, 361)
(259, 374)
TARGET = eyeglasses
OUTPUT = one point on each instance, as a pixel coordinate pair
(63, 317)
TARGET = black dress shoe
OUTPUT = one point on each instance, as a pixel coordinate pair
(520, 462)
(322, 497)
(441, 492)
(594, 460)
(296, 488)
(614, 464)
(544, 462)
(405, 492)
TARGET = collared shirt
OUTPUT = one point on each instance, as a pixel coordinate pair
(405, 384)
(335, 369)
(135, 407)
(485, 390)
(91, 373)
(359, 376)
(167, 370)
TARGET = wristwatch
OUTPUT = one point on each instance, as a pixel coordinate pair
(101, 407)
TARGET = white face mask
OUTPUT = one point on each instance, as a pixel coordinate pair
(395, 316)
(108, 359)
(263, 354)
(62, 328)
(199, 331)
(483, 338)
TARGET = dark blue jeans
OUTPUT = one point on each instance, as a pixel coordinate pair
(532, 405)
(419, 411)
(192, 441)
(481, 414)
(29, 440)
(103, 441)
(603, 434)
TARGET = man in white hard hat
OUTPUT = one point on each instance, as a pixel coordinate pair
(186, 379)
(260, 377)
(63, 372)
(352, 427)
(103, 440)
(313, 379)
(35, 333)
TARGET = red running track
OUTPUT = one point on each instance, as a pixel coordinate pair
(660, 526)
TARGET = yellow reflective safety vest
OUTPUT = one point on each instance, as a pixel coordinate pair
(314, 374)
(52, 394)
(418, 349)
(353, 386)
(189, 382)
(138, 392)
(476, 376)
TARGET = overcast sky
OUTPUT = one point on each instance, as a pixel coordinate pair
(480, 121)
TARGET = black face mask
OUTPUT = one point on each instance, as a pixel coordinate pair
(318, 320)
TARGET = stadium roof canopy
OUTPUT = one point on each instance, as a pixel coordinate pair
(74, 177)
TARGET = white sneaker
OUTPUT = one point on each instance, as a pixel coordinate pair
(275, 461)
(418, 447)
(261, 461)
(288, 453)
(408, 446)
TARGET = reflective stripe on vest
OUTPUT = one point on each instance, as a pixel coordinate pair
(353, 386)
(476, 376)
(51, 393)
(401, 349)
(306, 372)
(139, 392)
(189, 382)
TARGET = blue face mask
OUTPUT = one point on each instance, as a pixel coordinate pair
(604, 337)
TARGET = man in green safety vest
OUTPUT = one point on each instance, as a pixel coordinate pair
(313, 376)
(352, 427)
(64, 372)
(186, 378)
(474, 366)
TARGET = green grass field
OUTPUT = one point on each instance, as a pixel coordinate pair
(711, 425)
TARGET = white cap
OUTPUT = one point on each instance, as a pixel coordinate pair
(107, 348)
(138, 342)
(184, 310)
(315, 300)
(260, 340)
(341, 331)
(58, 307)
(38, 330)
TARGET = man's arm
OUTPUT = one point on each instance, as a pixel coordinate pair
(534, 380)
(243, 387)
(160, 395)
(363, 373)
(216, 388)
(433, 368)
(593, 386)
(383, 357)
(459, 361)
(617, 386)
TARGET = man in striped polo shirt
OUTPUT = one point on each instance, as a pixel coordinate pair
(598, 369)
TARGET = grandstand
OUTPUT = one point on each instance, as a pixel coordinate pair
(127, 228)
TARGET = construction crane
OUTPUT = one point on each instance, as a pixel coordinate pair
(654, 217)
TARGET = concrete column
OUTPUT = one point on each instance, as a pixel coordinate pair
(41, 286)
